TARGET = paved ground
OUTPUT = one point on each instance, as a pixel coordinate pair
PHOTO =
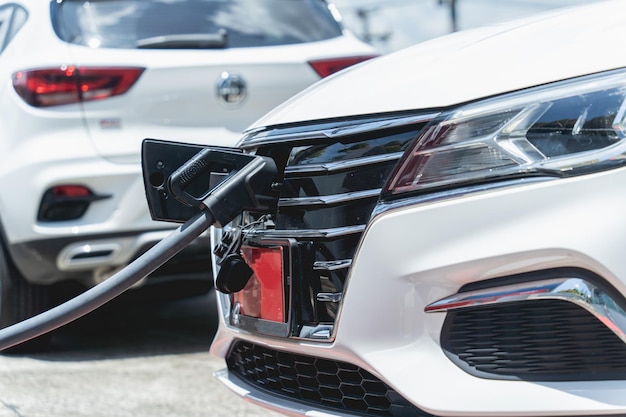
(134, 358)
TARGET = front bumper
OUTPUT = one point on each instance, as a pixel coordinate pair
(412, 255)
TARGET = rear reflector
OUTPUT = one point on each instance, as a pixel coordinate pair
(66, 85)
(66, 202)
(70, 191)
(326, 67)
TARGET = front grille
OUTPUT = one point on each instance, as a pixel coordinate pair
(536, 340)
(319, 383)
(332, 178)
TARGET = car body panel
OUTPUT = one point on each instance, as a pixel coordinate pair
(434, 253)
(190, 85)
(481, 245)
(529, 52)
(424, 245)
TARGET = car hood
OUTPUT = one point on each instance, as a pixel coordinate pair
(468, 65)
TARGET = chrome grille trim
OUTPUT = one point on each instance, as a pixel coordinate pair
(309, 234)
(261, 137)
(342, 165)
(356, 128)
(332, 265)
(328, 200)
(327, 297)
(574, 290)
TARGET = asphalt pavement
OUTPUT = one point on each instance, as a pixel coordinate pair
(137, 356)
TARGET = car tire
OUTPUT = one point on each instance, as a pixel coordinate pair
(19, 300)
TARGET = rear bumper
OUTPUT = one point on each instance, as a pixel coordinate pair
(91, 259)
(111, 233)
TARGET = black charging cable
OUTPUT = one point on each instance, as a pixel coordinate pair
(109, 289)
(248, 186)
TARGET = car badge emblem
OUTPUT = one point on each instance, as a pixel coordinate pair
(231, 88)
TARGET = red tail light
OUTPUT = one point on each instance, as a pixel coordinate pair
(57, 86)
(326, 67)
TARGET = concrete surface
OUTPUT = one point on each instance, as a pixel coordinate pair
(137, 357)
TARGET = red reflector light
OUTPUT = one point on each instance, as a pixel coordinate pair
(70, 191)
(264, 295)
(326, 67)
(56, 86)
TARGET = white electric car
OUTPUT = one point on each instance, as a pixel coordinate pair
(82, 83)
(449, 237)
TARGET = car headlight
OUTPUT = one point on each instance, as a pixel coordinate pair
(562, 129)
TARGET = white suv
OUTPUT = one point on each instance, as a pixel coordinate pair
(84, 82)
(451, 243)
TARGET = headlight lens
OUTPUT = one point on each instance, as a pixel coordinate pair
(562, 129)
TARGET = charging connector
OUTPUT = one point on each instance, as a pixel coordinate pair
(254, 191)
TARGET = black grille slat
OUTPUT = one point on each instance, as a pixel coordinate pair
(330, 177)
(534, 340)
(352, 213)
(321, 383)
(331, 174)
(314, 184)
(343, 171)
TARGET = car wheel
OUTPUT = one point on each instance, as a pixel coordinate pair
(19, 300)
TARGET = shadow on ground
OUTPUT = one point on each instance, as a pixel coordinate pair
(141, 322)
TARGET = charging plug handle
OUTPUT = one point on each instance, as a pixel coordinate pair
(252, 192)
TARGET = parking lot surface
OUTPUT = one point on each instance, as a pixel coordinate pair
(135, 357)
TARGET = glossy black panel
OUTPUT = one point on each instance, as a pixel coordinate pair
(341, 152)
(356, 179)
(352, 213)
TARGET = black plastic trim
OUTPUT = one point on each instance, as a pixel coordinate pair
(535, 340)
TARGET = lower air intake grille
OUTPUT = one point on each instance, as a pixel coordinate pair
(321, 383)
(548, 340)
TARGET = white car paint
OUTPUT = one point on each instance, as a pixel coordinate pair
(520, 54)
(417, 252)
(97, 144)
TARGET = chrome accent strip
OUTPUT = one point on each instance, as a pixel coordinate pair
(353, 127)
(432, 197)
(342, 165)
(332, 265)
(308, 233)
(327, 200)
(256, 325)
(383, 124)
(574, 290)
(320, 332)
(329, 297)
(105, 252)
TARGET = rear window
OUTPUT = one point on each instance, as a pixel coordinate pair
(12, 18)
(183, 24)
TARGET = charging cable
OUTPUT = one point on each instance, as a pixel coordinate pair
(246, 187)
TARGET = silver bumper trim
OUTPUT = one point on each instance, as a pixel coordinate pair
(574, 290)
